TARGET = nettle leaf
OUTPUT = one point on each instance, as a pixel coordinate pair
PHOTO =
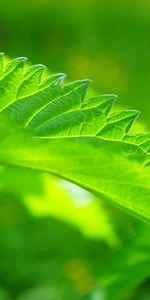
(52, 127)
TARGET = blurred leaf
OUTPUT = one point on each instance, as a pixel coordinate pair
(130, 267)
(45, 195)
(74, 205)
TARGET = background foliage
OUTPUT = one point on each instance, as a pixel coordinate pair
(57, 242)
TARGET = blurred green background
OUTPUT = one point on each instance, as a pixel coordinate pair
(57, 241)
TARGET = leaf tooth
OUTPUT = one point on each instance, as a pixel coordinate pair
(81, 86)
(105, 102)
(140, 139)
(125, 114)
(147, 160)
(13, 65)
(137, 137)
(52, 81)
(13, 76)
(33, 69)
(118, 125)
(31, 81)
(130, 138)
(145, 146)
(143, 137)
(70, 98)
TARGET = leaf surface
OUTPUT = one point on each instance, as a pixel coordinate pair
(54, 128)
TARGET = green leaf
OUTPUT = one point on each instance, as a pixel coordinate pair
(140, 139)
(59, 131)
(118, 125)
(30, 84)
(76, 123)
(105, 102)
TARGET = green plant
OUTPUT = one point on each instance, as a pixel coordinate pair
(51, 128)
